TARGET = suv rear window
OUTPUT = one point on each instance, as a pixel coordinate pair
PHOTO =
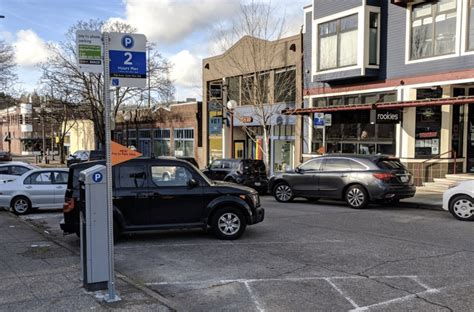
(253, 166)
(391, 164)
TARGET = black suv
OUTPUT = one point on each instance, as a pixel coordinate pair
(357, 179)
(82, 156)
(161, 194)
(248, 172)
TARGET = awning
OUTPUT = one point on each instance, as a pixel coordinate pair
(387, 105)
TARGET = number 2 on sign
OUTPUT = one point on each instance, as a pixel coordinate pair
(128, 61)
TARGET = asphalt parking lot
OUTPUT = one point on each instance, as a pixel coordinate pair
(306, 257)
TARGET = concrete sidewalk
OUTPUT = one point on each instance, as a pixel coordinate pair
(39, 274)
(422, 200)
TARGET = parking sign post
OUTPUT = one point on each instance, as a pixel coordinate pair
(111, 296)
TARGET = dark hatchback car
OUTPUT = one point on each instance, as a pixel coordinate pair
(144, 200)
(5, 156)
(83, 156)
(356, 179)
(248, 172)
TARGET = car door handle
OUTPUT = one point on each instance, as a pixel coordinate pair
(28, 187)
(59, 187)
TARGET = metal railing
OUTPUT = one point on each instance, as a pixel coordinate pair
(422, 176)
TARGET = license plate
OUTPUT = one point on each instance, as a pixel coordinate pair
(258, 183)
(404, 179)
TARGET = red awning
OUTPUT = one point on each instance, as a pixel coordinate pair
(388, 105)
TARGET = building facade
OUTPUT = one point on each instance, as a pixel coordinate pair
(174, 130)
(409, 64)
(244, 91)
(25, 131)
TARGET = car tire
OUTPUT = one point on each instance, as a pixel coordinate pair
(21, 205)
(356, 197)
(283, 192)
(462, 208)
(228, 223)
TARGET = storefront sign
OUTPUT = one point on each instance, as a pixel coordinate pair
(215, 90)
(328, 120)
(426, 135)
(318, 121)
(215, 125)
(246, 119)
(214, 106)
(387, 116)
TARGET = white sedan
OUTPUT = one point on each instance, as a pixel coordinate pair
(13, 169)
(459, 200)
(38, 188)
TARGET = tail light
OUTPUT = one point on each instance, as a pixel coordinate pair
(383, 176)
(68, 205)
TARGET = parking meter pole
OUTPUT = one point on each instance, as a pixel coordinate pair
(111, 296)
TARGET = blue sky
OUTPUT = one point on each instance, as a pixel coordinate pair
(182, 29)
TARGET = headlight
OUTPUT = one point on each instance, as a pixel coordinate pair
(453, 185)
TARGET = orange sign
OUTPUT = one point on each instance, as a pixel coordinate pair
(122, 153)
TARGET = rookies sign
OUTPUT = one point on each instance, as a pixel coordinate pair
(387, 116)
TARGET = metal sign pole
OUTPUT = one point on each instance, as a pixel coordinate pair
(111, 296)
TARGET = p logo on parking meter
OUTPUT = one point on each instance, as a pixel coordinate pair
(97, 177)
(127, 42)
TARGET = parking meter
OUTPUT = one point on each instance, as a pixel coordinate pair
(94, 228)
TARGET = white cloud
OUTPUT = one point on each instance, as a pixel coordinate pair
(30, 49)
(171, 21)
(186, 71)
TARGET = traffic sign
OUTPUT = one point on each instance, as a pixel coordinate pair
(122, 153)
(327, 120)
(128, 62)
(97, 177)
(318, 121)
(89, 51)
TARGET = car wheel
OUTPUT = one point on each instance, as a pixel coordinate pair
(228, 223)
(462, 208)
(21, 205)
(283, 192)
(356, 197)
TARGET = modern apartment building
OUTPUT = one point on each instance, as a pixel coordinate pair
(396, 77)
(260, 78)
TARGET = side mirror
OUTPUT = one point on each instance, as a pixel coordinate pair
(192, 183)
(298, 170)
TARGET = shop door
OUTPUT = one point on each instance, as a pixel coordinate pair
(470, 140)
(239, 149)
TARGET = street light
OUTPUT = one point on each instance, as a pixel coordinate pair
(231, 105)
(126, 118)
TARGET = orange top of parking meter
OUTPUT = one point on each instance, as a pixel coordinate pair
(122, 153)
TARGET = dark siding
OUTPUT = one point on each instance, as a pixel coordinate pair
(307, 42)
(376, 2)
(396, 67)
(324, 8)
(346, 74)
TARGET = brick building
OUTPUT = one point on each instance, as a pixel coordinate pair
(174, 130)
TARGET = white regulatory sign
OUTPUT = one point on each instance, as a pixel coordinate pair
(89, 51)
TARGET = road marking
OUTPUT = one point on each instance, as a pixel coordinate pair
(342, 293)
(254, 297)
(230, 244)
(428, 288)
(255, 280)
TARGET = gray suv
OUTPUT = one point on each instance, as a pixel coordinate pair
(357, 179)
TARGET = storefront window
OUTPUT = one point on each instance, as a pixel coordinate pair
(263, 89)
(233, 91)
(457, 130)
(161, 142)
(433, 29)
(427, 132)
(184, 142)
(373, 37)
(285, 86)
(248, 90)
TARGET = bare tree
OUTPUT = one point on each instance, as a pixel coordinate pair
(87, 88)
(7, 65)
(259, 28)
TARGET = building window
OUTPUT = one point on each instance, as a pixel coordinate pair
(248, 90)
(427, 131)
(433, 29)
(233, 91)
(161, 144)
(373, 37)
(184, 142)
(263, 88)
(285, 86)
(338, 43)
(471, 25)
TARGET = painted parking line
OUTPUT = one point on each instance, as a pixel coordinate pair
(211, 244)
(330, 280)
